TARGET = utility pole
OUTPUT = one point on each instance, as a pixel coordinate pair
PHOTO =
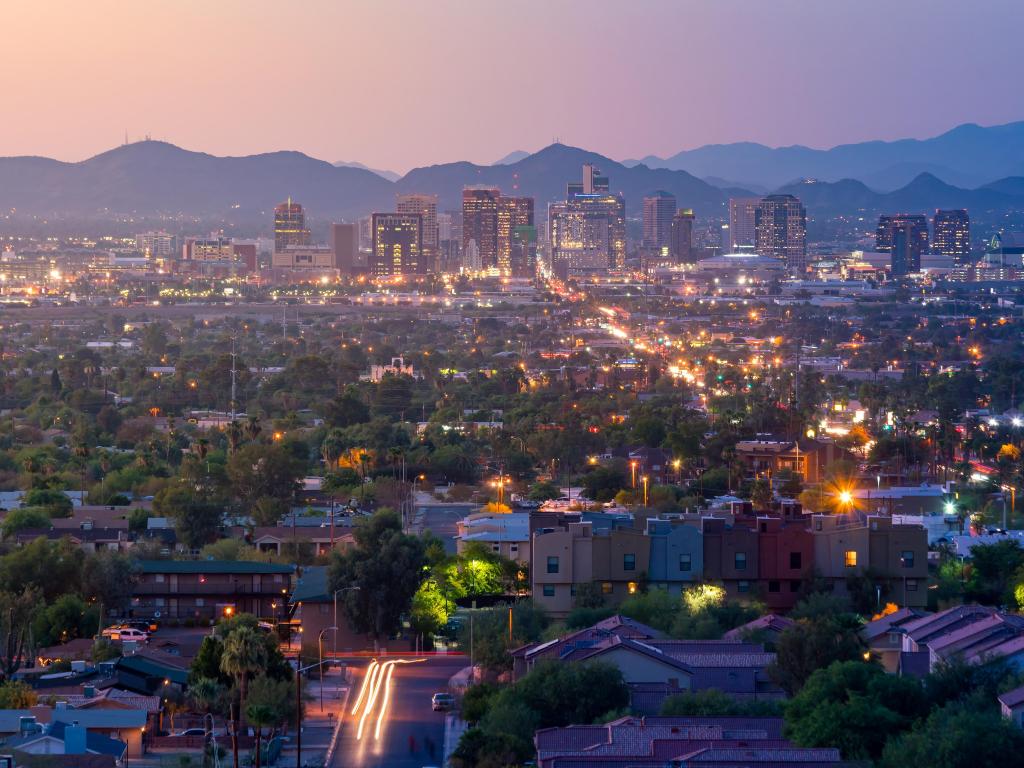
(233, 373)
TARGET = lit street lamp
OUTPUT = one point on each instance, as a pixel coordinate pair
(320, 647)
(645, 481)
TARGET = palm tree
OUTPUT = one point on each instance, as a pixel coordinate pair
(233, 432)
(245, 653)
(253, 428)
(204, 694)
(260, 715)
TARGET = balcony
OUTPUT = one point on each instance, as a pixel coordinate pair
(211, 587)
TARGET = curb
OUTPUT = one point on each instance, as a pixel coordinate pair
(336, 733)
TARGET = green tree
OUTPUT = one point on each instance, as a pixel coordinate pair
(16, 694)
(387, 567)
(26, 518)
(53, 503)
(958, 735)
(490, 634)
(243, 655)
(813, 644)
(713, 702)
(16, 612)
(256, 471)
(196, 519)
(68, 618)
(854, 706)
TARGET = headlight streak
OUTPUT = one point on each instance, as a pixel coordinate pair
(376, 686)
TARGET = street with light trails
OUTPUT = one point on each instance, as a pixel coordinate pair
(389, 721)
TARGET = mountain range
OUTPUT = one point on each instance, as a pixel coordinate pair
(156, 178)
(968, 156)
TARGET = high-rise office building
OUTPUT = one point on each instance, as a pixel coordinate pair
(742, 223)
(155, 245)
(512, 212)
(681, 237)
(659, 209)
(887, 224)
(780, 223)
(951, 234)
(425, 206)
(344, 241)
(290, 226)
(397, 245)
(524, 251)
(588, 231)
(480, 223)
(449, 233)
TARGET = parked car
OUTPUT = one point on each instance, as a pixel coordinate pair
(190, 732)
(121, 634)
(442, 702)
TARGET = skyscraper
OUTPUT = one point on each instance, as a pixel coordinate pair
(426, 206)
(512, 212)
(289, 226)
(681, 237)
(480, 223)
(742, 222)
(397, 245)
(588, 230)
(951, 234)
(780, 223)
(344, 241)
(524, 251)
(659, 209)
(887, 224)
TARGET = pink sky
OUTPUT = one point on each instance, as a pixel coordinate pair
(405, 83)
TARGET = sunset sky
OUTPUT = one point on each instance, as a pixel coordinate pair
(406, 83)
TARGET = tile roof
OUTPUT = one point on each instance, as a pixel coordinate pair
(1013, 698)
(884, 624)
(923, 629)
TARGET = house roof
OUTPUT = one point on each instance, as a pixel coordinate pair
(883, 624)
(933, 625)
(94, 742)
(769, 622)
(10, 719)
(613, 625)
(207, 567)
(1013, 698)
(101, 718)
(146, 667)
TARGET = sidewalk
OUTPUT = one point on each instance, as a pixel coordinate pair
(454, 727)
(320, 728)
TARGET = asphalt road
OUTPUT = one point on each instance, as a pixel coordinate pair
(408, 714)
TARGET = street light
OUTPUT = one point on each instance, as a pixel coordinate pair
(343, 589)
(632, 472)
(320, 647)
(645, 480)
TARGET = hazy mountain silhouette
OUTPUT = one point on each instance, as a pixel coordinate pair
(156, 178)
(512, 157)
(389, 175)
(968, 155)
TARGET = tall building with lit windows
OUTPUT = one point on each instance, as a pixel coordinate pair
(681, 237)
(397, 245)
(659, 209)
(587, 233)
(290, 226)
(480, 223)
(905, 237)
(425, 206)
(780, 224)
(742, 223)
(951, 234)
(513, 212)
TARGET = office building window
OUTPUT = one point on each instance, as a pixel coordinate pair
(552, 563)
(606, 587)
(796, 561)
(549, 590)
(850, 558)
(907, 558)
(740, 561)
(629, 562)
(685, 562)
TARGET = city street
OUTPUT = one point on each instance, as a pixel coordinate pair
(408, 724)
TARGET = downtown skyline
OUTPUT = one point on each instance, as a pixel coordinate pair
(156, 71)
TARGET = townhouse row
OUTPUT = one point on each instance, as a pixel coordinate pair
(769, 558)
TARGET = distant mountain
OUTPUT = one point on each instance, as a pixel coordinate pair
(155, 177)
(389, 175)
(968, 155)
(544, 174)
(512, 157)
(923, 194)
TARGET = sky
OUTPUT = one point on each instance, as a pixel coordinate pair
(403, 83)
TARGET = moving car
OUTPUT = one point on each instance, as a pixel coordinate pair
(442, 702)
(121, 634)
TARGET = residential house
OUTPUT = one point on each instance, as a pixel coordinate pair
(318, 541)
(507, 534)
(1011, 704)
(72, 740)
(884, 636)
(209, 589)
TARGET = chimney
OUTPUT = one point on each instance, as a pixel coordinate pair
(74, 739)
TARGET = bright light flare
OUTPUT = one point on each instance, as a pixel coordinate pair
(376, 689)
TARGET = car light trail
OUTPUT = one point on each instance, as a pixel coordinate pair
(376, 688)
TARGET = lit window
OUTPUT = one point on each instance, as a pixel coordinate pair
(552, 564)
(606, 587)
(629, 562)
(631, 586)
(850, 558)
